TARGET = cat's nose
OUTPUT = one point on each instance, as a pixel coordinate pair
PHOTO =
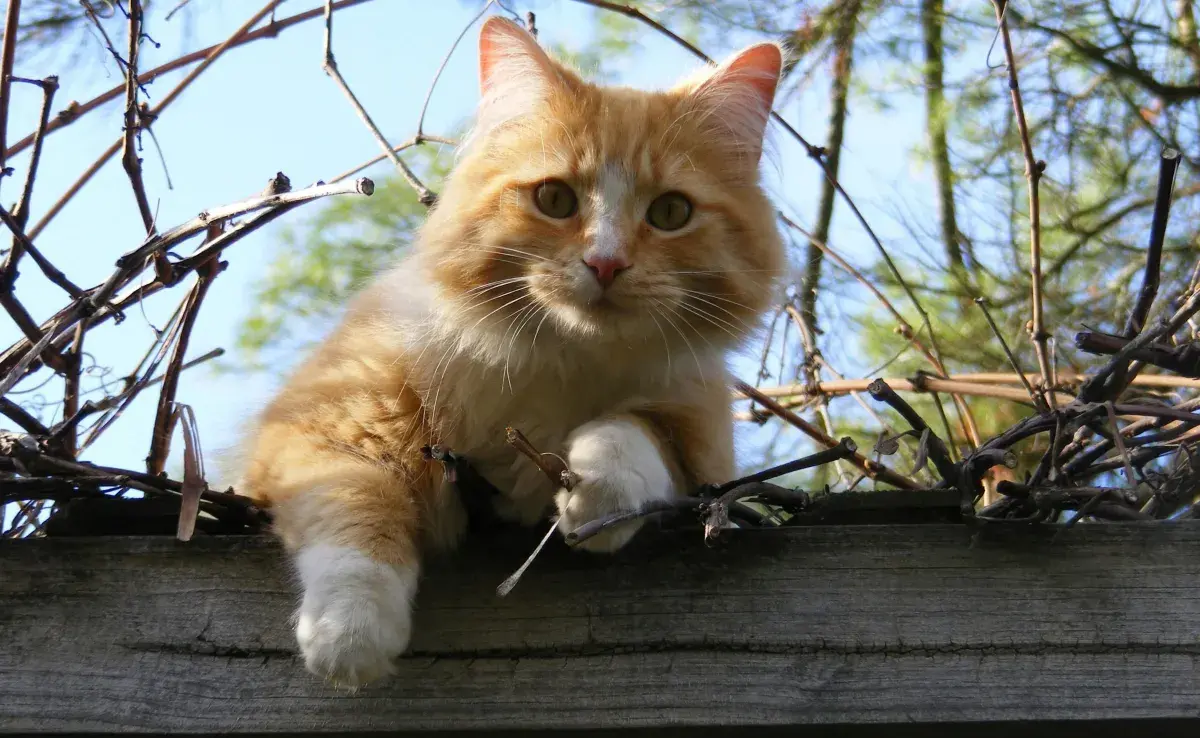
(606, 268)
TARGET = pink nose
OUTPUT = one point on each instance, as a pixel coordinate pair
(606, 268)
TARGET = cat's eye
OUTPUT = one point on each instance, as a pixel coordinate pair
(556, 199)
(669, 212)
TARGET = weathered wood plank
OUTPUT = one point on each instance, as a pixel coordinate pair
(814, 626)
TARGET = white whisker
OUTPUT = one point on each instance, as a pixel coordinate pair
(723, 309)
(713, 296)
(722, 271)
(509, 250)
(666, 343)
(711, 319)
(529, 313)
(695, 356)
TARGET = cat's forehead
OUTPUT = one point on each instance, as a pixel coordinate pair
(642, 135)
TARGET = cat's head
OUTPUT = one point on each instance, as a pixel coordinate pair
(606, 213)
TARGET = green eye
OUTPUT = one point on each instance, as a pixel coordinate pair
(669, 212)
(556, 199)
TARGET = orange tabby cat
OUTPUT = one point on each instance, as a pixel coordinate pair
(595, 254)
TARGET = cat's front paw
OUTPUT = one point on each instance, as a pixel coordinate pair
(620, 468)
(356, 617)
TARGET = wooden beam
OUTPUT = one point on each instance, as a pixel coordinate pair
(823, 626)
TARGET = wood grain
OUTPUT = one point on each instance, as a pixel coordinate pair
(845, 625)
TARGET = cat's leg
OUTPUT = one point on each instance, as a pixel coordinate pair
(622, 463)
(353, 535)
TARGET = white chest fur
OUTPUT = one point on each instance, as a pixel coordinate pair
(476, 382)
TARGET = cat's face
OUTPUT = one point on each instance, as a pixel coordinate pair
(610, 213)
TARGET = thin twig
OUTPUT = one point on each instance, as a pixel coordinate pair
(1184, 359)
(1033, 172)
(155, 354)
(18, 372)
(75, 111)
(1168, 167)
(129, 158)
(420, 134)
(168, 239)
(653, 507)
(1038, 400)
(52, 272)
(178, 6)
(1130, 479)
(8, 50)
(870, 468)
(424, 194)
(20, 213)
(152, 114)
(552, 465)
(74, 362)
(133, 388)
(921, 383)
(507, 585)
(21, 417)
(425, 138)
(843, 449)
(160, 442)
(96, 300)
(905, 328)
(811, 366)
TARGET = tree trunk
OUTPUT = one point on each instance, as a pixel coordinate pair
(845, 28)
(932, 17)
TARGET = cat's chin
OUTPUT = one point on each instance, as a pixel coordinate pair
(602, 321)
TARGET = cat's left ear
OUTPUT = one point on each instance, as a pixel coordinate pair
(515, 75)
(740, 92)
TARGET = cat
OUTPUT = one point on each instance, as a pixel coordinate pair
(595, 254)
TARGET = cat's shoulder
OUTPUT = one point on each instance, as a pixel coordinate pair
(402, 293)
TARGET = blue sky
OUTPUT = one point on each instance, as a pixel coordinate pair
(268, 107)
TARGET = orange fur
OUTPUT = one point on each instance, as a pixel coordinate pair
(494, 320)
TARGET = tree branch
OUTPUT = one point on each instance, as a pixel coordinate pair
(1033, 173)
(426, 196)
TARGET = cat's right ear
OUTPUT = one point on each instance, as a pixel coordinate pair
(515, 74)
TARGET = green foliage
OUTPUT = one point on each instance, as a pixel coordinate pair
(321, 262)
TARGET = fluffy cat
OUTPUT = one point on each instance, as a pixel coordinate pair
(594, 255)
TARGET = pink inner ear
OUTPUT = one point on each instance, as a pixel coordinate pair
(765, 63)
(489, 51)
(759, 66)
(501, 40)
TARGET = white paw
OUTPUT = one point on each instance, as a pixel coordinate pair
(356, 616)
(620, 468)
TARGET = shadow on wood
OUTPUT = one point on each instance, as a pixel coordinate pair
(864, 629)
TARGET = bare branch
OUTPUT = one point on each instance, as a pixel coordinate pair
(153, 113)
(555, 469)
(8, 50)
(1039, 401)
(1033, 172)
(160, 441)
(75, 111)
(424, 194)
(870, 468)
(49, 86)
(129, 159)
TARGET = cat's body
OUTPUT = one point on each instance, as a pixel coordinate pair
(593, 256)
